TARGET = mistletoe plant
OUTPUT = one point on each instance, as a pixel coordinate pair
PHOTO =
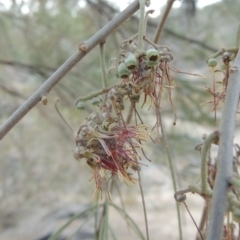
(113, 146)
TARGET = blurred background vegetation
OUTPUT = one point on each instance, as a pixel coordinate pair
(41, 184)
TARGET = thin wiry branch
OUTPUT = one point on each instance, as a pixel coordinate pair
(42, 71)
(163, 20)
(29, 66)
(39, 69)
(190, 40)
(11, 91)
(84, 49)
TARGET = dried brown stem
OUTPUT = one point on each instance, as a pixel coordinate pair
(163, 21)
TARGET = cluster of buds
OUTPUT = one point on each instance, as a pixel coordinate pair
(139, 64)
(146, 72)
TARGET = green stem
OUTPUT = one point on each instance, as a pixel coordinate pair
(61, 116)
(106, 219)
(112, 233)
(96, 218)
(197, 189)
(144, 205)
(103, 67)
(204, 157)
(146, 19)
(141, 25)
(101, 225)
(221, 51)
(92, 95)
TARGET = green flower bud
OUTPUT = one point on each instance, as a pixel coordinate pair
(123, 72)
(131, 62)
(80, 106)
(212, 62)
(152, 55)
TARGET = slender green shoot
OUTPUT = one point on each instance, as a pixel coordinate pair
(143, 203)
(114, 237)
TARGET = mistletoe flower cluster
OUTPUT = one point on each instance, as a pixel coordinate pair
(109, 146)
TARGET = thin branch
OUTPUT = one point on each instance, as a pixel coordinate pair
(61, 116)
(193, 220)
(84, 49)
(163, 20)
(103, 67)
(203, 220)
(190, 40)
(11, 91)
(32, 68)
(144, 205)
(104, 9)
(28, 66)
(93, 94)
(225, 153)
(42, 70)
